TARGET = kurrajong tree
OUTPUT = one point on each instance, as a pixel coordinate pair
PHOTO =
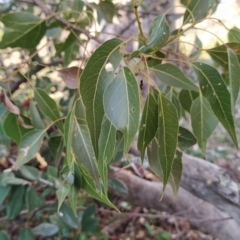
(113, 97)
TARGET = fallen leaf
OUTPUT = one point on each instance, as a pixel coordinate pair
(70, 76)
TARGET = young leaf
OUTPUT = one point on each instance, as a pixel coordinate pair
(215, 91)
(186, 98)
(234, 74)
(173, 76)
(20, 27)
(121, 105)
(185, 139)
(83, 149)
(149, 124)
(35, 117)
(29, 146)
(196, 10)
(167, 135)
(158, 35)
(70, 76)
(94, 80)
(234, 35)
(56, 145)
(106, 146)
(48, 107)
(62, 193)
(203, 121)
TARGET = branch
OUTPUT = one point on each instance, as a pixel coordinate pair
(50, 13)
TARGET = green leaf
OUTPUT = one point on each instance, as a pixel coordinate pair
(62, 193)
(196, 10)
(32, 199)
(35, 117)
(106, 146)
(185, 139)
(203, 121)
(7, 178)
(186, 98)
(78, 8)
(83, 149)
(48, 107)
(72, 197)
(16, 202)
(89, 222)
(117, 185)
(29, 146)
(94, 80)
(13, 129)
(173, 76)
(121, 105)
(215, 91)
(234, 35)
(167, 135)
(23, 29)
(90, 187)
(68, 217)
(220, 55)
(149, 124)
(56, 144)
(26, 234)
(4, 191)
(4, 235)
(158, 35)
(234, 75)
(45, 230)
(197, 48)
(176, 173)
(30, 173)
(106, 10)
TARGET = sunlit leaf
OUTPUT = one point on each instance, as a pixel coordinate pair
(149, 124)
(121, 105)
(29, 146)
(158, 35)
(173, 76)
(23, 29)
(234, 35)
(94, 80)
(215, 91)
(48, 107)
(203, 121)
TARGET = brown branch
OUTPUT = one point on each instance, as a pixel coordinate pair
(50, 13)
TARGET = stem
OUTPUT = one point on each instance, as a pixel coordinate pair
(142, 37)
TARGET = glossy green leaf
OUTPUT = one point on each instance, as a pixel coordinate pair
(62, 193)
(13, 129)
(186, 98)
(122, 106)
(185, 139)
(149, 124)
(35, 117)
(26, 234)
(196, 10)
(4, 191)
(234, 35)
(234, 75)
(90, 187)
(83, 149)
(117, 185)
(215, 91)
(203, 121)
(173, 76)
(94, 80)
(32, 199)
(45, 230)
(106, 146)
(167, 135)
(56, 144)
(220, 55)
(4, 235)
(158, 35)
(23, 29)
(176, 173)
(48, 107)
(16, 202)
(29, 146)
(30, 172)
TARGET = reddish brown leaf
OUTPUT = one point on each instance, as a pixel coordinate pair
(8, 104)
(23, 124)
(70, 76)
